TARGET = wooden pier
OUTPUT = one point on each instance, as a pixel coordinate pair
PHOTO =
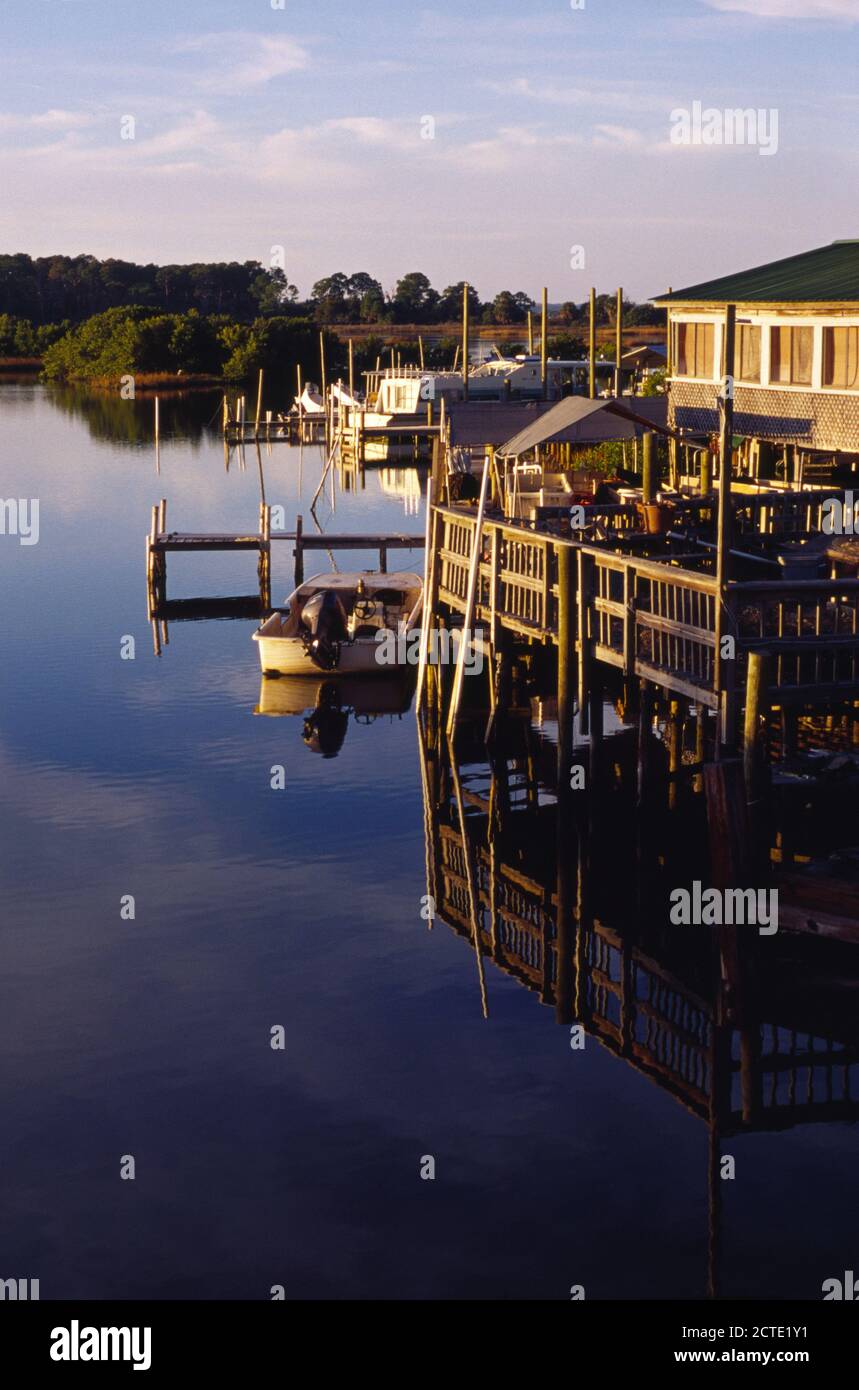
(160, 542)
(662, 619)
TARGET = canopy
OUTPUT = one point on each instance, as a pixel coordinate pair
(578, 420)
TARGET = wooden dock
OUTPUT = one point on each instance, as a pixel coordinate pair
(663, 619)
(160, 542)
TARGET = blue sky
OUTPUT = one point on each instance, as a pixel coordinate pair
(301, 127)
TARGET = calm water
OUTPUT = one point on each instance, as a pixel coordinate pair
(299, 908)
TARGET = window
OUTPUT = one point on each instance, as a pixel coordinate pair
(747, 360)
(841, 358)
(792, 356)
(696, 349)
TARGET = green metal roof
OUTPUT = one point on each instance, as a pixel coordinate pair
(829, 275)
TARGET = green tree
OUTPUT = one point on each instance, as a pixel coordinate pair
(414, 298)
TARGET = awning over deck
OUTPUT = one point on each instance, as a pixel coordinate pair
(579, 420)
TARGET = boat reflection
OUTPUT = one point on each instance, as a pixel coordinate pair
(326, 704)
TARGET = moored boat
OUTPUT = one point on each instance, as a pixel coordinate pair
(336, 622)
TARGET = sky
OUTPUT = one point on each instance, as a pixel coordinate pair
(510, 144)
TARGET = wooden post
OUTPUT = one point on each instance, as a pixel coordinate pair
(566, 659)
(645, 733)
(259, 403)
(465, 340)
(428, 611)
(700, 744)
(675, 752)
(544, 345)
(351, 374)
(706, 473)
(323, 377)
(648, 479)
(226, 413)
(470, 604)
(584, 576)
(421, 351)
(592, 347)
(669, 352)
(757, 706)
(725, 469)
(530, 334)
(618, 350)
(298, 552)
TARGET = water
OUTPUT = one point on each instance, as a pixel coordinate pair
(299, 908)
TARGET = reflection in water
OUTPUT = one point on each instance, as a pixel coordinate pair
(327, 704)
(190, 416)
(748, 1034)
(254, 908)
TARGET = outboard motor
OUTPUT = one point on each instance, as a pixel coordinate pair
(325, 728)
(325, 621)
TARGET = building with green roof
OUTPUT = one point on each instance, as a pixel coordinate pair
(796, 365)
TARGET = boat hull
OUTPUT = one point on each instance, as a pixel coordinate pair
(287, 656)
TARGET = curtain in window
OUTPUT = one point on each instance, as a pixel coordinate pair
(841, 358)
(747, 365)
(695, 349)
(792, 356)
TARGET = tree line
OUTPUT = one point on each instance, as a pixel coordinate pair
(141, 343)
(66, 290)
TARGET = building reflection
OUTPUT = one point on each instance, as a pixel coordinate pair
(568, 897)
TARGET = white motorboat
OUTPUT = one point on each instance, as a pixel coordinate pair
(336, 622)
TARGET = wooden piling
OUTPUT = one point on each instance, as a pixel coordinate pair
(322, 372)
(618, 349)
(592, 345)
(298, 552)
(757, 707)
(648, 470)
(259, 403)
(706, 485)
(530, 334)
(465, 340)
(544, 344)
(726, 453)
(470, 604)
(566, 658)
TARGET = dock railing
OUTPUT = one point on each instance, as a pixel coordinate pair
(657, 619)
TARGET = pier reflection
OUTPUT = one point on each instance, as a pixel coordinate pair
(747, 1033)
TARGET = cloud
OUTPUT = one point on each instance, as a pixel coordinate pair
(241, 61)
(46, 120)
(845, 11)
(618, 136)
(629, 97)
